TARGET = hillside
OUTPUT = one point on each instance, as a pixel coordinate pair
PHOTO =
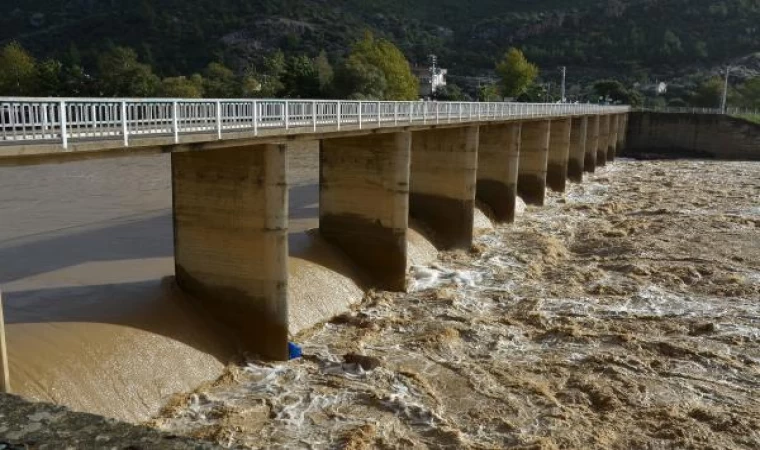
(630, 38)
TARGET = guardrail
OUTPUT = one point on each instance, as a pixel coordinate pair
(686, 110)
(54, 120)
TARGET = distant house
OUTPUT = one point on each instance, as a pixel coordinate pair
(431, 80)
(656, 88)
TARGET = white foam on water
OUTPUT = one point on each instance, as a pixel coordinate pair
(431, 277)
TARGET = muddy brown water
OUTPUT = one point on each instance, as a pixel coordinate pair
(624, 314)
(94, 321)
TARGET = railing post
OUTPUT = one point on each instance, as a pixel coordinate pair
(255, 118)
(124, 127)
(218, 119)
(338, 116)
(64, 132)
(437, 112)
(378, 115)
(360, 115)
(175, 122)
(424, 112)
(286, 114)
(395, 113)
(314, 115)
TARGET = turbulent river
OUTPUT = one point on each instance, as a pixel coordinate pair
(623, 314)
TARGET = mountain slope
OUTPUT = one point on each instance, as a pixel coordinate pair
(180, 36)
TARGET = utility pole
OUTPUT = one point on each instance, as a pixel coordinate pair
(564, 76)
(725, 91)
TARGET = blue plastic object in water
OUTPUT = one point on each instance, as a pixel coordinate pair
(294, 351)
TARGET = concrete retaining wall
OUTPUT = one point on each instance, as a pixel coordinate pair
(691, 135)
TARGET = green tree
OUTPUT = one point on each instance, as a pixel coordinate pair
(451, 93)
(355, 79)
(122, 75)
(219, 81)
(708, 94)
(50, 78)
(301, 79)
(18, 71)
(616, 92)
(749, 93)
(516, 73)
(489, 93)
(377, 69)
(325, 72)
(182, 87)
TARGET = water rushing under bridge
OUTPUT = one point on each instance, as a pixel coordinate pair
(380, 163)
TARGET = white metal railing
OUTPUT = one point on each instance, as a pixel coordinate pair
(65, 120)
(689, 110)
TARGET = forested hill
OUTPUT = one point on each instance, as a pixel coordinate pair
(181, 36)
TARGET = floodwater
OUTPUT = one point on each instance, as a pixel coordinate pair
(624, 314)
(94, 321)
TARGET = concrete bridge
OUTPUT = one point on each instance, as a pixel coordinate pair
(380, 162)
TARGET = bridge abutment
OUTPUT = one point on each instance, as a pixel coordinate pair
(577, 154)
(230, 240)
(498, 159)
(364, 202)
(559, 153)
(443, 183)
(592, 144)
(534, 157)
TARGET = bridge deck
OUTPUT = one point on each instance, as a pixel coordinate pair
(63, 126)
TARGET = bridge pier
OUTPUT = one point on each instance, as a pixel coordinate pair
(534, 158)
(364, 202)
(443, 183)
(230, 240)
(592, 144)
(613, 139)
(577, 148)
(559, 153)
(622, 133)
(604, 137)
(498, 159)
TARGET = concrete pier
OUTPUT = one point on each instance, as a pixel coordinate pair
(230, 240)
(364, 202)
(604, 140)
(612, 142)
(498, 162)
(559, 152)
(622, 131)
(577, 149)
(592, 144)
(443, 183)
(534, 158)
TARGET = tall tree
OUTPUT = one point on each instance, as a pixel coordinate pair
(182, 87)
(18, 71)
(325, 72)
(749, 93)
(377, 69)
(301, 79)
(516, 73)
(122, 75)
(219, 81)
(708, 93)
